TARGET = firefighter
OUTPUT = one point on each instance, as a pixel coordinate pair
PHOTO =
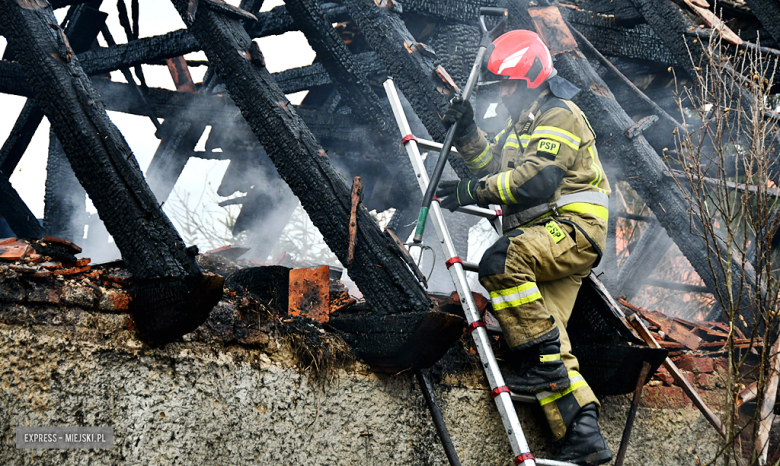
(544, 169)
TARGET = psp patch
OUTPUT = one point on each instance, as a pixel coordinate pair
(548, 145)
(555, 231)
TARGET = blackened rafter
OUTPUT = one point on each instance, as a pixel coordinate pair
(381, 275)
(172, 296)
(412, 68)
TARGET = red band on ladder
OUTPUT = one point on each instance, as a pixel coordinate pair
(499, 212)
(453, 260)
(474, 325)
(499, 390)
(524, 457)
(407, 138)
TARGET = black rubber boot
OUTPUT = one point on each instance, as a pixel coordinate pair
(583, 443)
(545, 371)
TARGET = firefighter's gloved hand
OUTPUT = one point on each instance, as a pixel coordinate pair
(460, 110)
(454, 194)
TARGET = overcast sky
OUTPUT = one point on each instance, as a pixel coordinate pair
(156, 17)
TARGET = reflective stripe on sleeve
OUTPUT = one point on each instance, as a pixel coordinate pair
(515, 296)
(504, 190)
(599, 173)
(511, 141)
(557, 134)
(550, 357)
(576, 381)
(525, 139)
(482, 159)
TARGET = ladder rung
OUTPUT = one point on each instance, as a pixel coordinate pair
(522, 398)
(432, 145)
(470, 267)
(480, 211)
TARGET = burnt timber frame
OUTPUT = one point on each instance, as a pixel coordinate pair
(172, 296)
(395, 52)
(414, 72)
(381, 275)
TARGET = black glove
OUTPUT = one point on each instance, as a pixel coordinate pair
(460, 110)
(454, 194)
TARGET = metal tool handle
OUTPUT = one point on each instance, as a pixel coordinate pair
(445, 151)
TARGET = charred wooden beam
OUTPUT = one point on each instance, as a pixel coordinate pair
(645, 257)
(338, 62)
(462, 11)
(622, 11)
(178, 137)
(352, 84)
(82, 27)
(671, 25)
(382, 276)
(639, 163)
(768, 12)
(65, 205)
(278, 20)
(22, 133)
(613, 38)
(292, 80)
(409, 64)
(13, 209)
(172, 295)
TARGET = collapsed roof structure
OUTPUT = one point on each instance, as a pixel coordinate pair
(426, 46)
(617, 52)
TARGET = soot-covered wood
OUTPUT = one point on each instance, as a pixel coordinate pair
(65, 205)
(382, 277)
(352, 84)
(19, 217)
(647, 254)
(106, 168)
(768, 12)
(414, 73)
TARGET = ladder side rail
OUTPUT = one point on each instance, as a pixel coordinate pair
(481, 339)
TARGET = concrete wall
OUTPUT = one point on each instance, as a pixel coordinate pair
(204, 402)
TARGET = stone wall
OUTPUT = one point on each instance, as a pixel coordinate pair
(203, 401)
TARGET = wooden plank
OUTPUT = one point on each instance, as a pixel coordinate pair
(766, 414)
(357, 194)
(682, 335)
(553, 30)
(714, 22)
(679, 378)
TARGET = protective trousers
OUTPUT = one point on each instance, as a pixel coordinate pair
(533, 275)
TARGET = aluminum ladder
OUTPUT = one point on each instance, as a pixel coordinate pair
(457, 268)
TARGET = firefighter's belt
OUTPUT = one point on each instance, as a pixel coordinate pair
(587, 202)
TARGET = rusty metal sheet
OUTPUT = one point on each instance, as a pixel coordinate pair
(553, 29)
(309, 293)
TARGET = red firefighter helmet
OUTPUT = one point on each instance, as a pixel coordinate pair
(521, 55)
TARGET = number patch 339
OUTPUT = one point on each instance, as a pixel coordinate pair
(547, 145)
